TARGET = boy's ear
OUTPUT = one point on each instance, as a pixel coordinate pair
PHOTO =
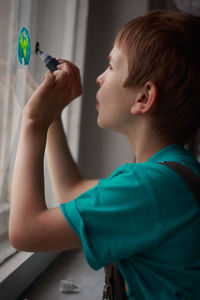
(145, 100)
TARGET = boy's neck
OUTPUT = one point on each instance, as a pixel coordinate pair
(146, 142)
(145, 152)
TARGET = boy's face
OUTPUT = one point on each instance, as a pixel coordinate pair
(113, 100)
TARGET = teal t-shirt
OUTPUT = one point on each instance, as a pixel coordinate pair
(145, 219)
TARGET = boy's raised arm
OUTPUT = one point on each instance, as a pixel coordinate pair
(33, 227)
(67, 180)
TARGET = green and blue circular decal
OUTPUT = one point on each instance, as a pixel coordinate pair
(24, 46)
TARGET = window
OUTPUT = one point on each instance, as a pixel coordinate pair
(60, 27)
(9, 113)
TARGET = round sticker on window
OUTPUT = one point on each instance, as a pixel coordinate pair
(24, 47)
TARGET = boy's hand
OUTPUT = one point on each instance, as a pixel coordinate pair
(56, 91)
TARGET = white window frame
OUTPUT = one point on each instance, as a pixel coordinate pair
(24, 265)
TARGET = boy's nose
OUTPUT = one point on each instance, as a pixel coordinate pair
(99, 80)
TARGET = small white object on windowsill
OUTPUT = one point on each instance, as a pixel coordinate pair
(67, 286)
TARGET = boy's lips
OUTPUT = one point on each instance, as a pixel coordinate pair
(97, 104)
(97, 101)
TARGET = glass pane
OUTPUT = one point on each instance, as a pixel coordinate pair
(17, 82)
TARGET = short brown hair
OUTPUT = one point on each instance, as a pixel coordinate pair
(164, 47)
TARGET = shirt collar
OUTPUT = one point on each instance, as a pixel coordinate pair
(167, 153)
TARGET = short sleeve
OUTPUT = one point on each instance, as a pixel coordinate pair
(113, 220)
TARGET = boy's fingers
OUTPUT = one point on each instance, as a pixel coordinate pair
(61, 61)
(48, 80)
(64, 66)
(43, 78)
(45, 75)
(61, 76)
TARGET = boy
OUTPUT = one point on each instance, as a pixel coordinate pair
(143, 217)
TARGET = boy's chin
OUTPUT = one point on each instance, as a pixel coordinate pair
(100, 125)
(105, 125)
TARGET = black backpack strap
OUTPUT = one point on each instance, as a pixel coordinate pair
(108, 292)
(114, 288)
(188, 176)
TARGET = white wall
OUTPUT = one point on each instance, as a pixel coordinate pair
(101, 151)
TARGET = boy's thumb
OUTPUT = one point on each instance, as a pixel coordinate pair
(48, 79)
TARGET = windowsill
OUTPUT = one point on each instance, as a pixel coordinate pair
(22, 268)
(4, 215)
(12, 264)
(71, 266)
(6, 250)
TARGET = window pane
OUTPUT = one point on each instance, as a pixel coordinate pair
(9, 108)
(54, 26)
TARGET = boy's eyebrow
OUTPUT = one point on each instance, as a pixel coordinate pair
(110, 58)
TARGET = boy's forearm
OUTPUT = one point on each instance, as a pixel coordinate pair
(27, 191)
(64, 171)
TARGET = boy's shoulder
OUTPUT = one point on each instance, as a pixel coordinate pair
(153, 169)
